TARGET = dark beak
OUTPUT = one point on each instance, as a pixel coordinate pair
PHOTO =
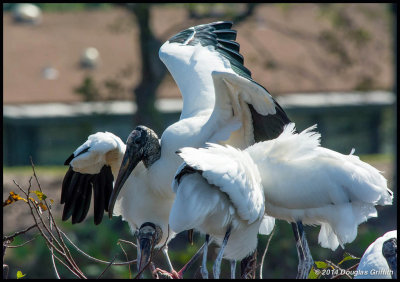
(147, 238)
(130, 160)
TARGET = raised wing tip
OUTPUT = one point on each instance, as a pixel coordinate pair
(222, 24)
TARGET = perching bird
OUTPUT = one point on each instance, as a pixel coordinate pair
(96, 164)
(379, 261)
(301, 181)
(220, 196)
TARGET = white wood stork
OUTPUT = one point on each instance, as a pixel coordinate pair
(301, 181)
(379, 261)
(219, 95)
(220, 196)
(221, 103)
(96, 163)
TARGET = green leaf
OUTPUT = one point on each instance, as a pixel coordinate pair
(346, 257)
(314, 273)
(41, 196)
(321, 264)
(20, 275)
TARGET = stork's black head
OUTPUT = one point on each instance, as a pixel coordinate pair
(144, 141)
(142, 145)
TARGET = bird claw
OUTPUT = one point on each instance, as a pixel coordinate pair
(163, 274)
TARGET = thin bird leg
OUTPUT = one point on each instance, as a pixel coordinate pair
(165, 252)
(303, 251)
(217, 263)
(233, 269)
(179, 274)
(203, 268)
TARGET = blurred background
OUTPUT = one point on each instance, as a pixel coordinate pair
(71, 70)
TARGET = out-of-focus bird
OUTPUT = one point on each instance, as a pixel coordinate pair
(301, 181)
(379, 261)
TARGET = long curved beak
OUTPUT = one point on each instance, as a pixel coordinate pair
(130, 160)
(148, 238)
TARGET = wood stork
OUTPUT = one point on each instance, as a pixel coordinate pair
(96, 163)
(379, 261)
(221, 103)
(222, 197)
(301, 181)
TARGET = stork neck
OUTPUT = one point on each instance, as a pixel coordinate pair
(153, 153)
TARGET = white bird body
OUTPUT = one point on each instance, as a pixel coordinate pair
(373, 264)
(137, 202)
(301, 181)
(222, 193)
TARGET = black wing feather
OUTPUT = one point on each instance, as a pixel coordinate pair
(66, 184)
(109, 186)
(99, 187)
(70, 197)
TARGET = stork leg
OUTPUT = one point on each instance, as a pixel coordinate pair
(179, 274)
(203, 268)
(217, 263)
(303, 251)
(233, 269)
(165, 252)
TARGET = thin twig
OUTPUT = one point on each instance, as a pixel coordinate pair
(93, 258)
(48, 242)
(65, 249)
(72, 270)
(338, 267)
(18, 233)
(108, 266)
(54, 264)
(23, 244)
(127, 242)
(265, 251)
(126, 255)
(350, 268)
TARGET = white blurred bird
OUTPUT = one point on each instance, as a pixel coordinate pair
(301, 181)
(379, 261)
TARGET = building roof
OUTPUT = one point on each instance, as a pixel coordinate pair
(285, 49)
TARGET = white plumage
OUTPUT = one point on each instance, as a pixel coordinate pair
(373, 264)
(218, 96)
(225, 191)
(136, 203)
(304, 181)
(301, 181)
(104, 148)
(220, 195)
